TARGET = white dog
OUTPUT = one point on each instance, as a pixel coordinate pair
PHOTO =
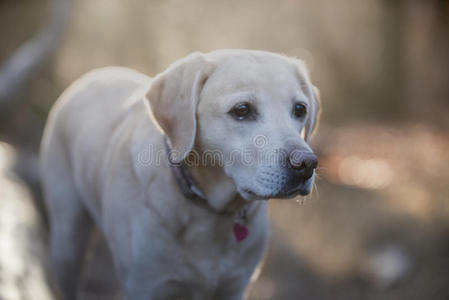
(172, 169)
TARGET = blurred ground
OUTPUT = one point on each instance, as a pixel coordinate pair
(377, 225)
(381, 205)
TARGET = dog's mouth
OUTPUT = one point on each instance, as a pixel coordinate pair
(277, 186)
(302, 189)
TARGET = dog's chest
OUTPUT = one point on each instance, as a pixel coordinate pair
(216, 255)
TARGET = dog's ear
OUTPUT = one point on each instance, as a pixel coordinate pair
(173, 97)
(313, 115)
(313, 92)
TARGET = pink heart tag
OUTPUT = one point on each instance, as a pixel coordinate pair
(240, 232)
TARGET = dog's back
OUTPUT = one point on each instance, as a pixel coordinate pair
(82, 122)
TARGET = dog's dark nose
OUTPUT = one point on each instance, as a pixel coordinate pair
(304, 161)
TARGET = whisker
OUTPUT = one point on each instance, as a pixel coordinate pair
(318, 173)
(315, 188)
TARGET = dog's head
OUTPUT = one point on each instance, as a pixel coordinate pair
(250, 112)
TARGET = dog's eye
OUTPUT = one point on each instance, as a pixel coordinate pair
(241, 111)
(299, 110)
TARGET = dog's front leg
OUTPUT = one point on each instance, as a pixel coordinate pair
(70, 230)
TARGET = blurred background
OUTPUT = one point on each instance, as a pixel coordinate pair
(377, 224)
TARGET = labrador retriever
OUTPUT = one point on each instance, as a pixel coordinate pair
(174, 169)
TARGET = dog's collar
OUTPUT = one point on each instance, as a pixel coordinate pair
(191, 191)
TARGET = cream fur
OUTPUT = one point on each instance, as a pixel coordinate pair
(106, 128)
